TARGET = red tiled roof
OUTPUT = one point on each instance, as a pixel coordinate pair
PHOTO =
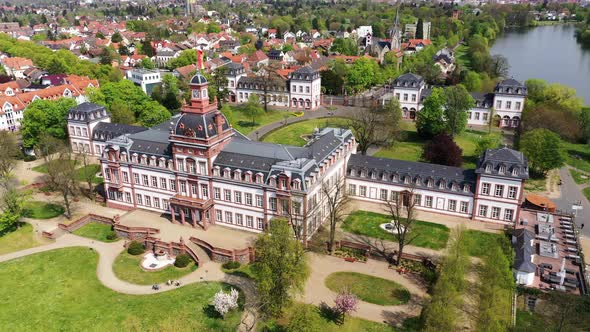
(17, 104)
(17, 62)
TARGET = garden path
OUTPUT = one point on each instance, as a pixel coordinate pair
(322, 266)
(108, 252)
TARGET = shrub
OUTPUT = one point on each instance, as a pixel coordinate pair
(298, 114)
(231, 265)
(135, 248)
(111, 236)
(29, 158)
(182, 260)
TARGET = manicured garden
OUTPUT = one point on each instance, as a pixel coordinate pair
(59, 291)
(410, 146)
(126, 267)
(19, 239)
(430, 235)
(368, 288)
(42, 210)
(243, 122)
(97, 231)
(292, 134)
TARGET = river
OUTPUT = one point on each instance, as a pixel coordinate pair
(547, 52)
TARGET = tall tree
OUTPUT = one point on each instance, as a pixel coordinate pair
(400, 206)
(429, 121)
(377, 125)
(252, 108)
(419, 29)
(219, 82)
(280, 269)
(443, 150)
(13, 207)
(336, 197)
(542, 149)
(121, 113)
(8, 154)
(45, 116)
(457, 102)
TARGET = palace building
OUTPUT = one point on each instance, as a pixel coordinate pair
(507, 100)
(200, 171)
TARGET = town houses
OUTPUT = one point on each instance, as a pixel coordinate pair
(507, 100)
(199, 170)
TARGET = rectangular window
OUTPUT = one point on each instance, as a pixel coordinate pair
(128, 197)
(363, 191)
(216, 193)
(136, 178)
(248, 199)
(148, 201)
(498, 104)
(405, 97)
(495, 212)
(125, 177)
(218, 215)
(476, 115)
(238, 197)
(508, 214)
(154, 181)
(144, 180)
(138, 199)
(413, 97)
(182, 187)
(250, 221)
(483, 210)
(383, 194)
(485, 116)
(417, 200)
(352, 189)
(156, 202)
(172, 185)
(499, 192)
(165, 204)
(163, 183)
(239, 219)
(464, 207)
(517, 106)
(227, 195)
(485, 188)
(452, 205)
(228, 217)
(469, 115)
(259, 200)
(260, 223)
(205, 191)
(273, 203)
(508, 104)
(428, 201)
(512, 192)
(194, 190)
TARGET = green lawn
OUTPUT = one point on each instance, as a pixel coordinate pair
(291, 134)
(19, 239)
(579, 177)
(42, 210)
(81, 173)
(478, 242)
(326, 322)
(243, 123)
(95, 230)
(577, 155)
(586, 193)
(462, 56)
(127, 268)
(244, 270)
(430, 235)
(42, 168)
(368, 288)
(411, 144)
(58, 291)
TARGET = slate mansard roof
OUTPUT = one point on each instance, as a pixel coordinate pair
(393, 171)
(521, 241)
(511, 87)
(409, 80)
(105, 131)
(199, 125)
(87, 112)
(503, 162)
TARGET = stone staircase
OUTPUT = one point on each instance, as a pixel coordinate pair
(203, 257)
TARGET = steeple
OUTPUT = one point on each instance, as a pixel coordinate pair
(395, 33)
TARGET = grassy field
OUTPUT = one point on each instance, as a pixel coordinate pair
(478, 242)
(58, 291)
(127, 268)
(243, 123)
(326, 322)
(577, 155)
(579, 177)
(81, 173)
(245, 270)
(430, 235)
(19, 239)
(95, 230)
(586, 192)
(462, 56)
(42, 210)
(368, 288)
(411, 145)
(291, 134)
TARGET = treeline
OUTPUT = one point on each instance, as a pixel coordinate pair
(494, 289)
(61, 61)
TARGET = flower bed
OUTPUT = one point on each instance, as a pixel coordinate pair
(350, 255)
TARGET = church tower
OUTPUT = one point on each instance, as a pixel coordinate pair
(396, 33)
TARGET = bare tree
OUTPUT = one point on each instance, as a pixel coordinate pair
(377, 125)
(8, 153)
(297, 218)
(269, 79)
(336, 199)
(401, 208)
(87, 175)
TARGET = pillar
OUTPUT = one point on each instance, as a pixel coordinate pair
(172, 213)
(182, 216)
(204, 220)
(194, 217)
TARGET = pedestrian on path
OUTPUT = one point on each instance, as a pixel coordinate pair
(582, 226)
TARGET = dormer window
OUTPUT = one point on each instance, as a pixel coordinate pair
(407, 180)
(364, 173)
(418, 181)
(297, 184)
(441, 184)
(488, 168)
(352, 172)
(272, 182)
(259, 178)
(454, 187)
(394, 178)
(501, 169)
(227, 173)
(515, 171)
(216, 171)
(384, 176)
(248, 177)
(373, 175)
(466, 188)
(238, 175)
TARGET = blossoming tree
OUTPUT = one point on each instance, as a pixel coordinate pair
(225, 302)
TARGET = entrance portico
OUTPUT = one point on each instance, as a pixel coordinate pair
(191, 210)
